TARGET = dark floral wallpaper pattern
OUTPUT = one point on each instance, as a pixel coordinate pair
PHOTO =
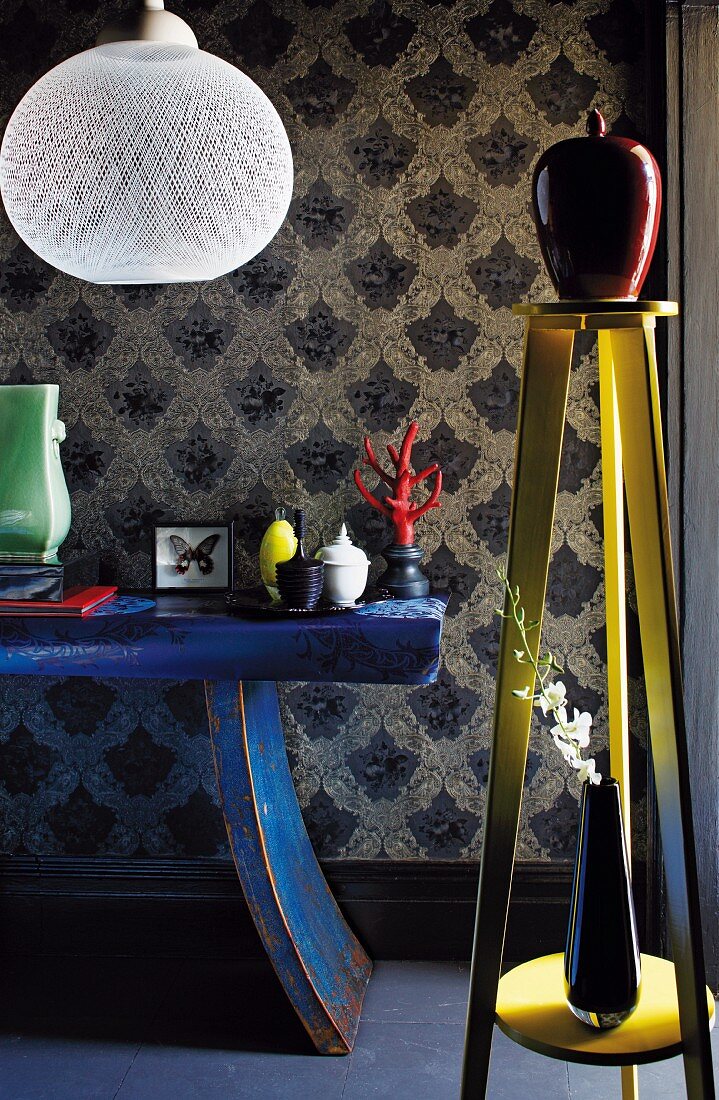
(415, 127)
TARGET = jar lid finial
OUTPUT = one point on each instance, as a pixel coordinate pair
(596, 126)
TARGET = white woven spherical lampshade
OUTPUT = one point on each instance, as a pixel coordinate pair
(145, 162)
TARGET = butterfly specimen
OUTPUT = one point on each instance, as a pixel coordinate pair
(202, 554)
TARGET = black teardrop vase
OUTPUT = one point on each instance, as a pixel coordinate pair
(602, 969)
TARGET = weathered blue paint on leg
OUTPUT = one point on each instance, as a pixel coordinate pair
(322, 967)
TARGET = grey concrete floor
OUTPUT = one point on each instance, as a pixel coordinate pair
(179, 1029)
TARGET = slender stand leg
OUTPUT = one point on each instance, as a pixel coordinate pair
(640, 421)
(615, 600)
(630, 1083)
(540, 427)
(322, 967)
(613, 500)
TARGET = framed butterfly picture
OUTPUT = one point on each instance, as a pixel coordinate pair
(192, 557)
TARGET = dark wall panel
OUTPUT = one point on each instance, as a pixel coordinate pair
(386, 295)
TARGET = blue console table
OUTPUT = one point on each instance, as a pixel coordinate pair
(323, 968)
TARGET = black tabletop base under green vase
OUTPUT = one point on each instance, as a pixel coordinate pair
(403, 578)
(45, 580)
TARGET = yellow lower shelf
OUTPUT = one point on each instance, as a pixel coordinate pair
(532, 1010)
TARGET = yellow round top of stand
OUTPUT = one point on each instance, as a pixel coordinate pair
(588, 306)
(532, 1010)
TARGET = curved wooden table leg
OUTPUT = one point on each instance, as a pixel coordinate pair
(322, 967)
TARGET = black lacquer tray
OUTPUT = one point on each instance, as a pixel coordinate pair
(256, 601)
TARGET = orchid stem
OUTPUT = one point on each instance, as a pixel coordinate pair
(518, 618)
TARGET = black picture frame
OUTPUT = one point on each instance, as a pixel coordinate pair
(193, 582)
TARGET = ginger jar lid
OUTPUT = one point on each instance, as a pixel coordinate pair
(342, 551)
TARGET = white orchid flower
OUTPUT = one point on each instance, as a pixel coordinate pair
(553, 696)
(587, 770)
(565, 747)
(578, 729)
(560, 713)
(523, 694)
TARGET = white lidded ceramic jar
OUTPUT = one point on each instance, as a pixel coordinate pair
(346, 568)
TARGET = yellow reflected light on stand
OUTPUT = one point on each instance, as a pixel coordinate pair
(532, 1010)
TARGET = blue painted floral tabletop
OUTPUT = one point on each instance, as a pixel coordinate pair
(193, 638)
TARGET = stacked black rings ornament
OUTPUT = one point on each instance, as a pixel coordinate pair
(299, 580)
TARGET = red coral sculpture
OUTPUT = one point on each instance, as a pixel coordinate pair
(398, 507)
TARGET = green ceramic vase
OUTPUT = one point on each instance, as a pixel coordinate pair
(34, 501)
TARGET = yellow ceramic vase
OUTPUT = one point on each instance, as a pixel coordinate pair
(278, 544)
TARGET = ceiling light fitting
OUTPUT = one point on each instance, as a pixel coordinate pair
(145, 159)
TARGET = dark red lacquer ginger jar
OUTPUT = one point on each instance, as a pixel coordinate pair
(596, 202)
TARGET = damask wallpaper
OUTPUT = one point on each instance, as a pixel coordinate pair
(385, 296)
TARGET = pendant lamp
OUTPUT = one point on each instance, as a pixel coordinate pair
(145, 159)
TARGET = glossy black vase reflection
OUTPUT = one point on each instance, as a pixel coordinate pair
(602, 969)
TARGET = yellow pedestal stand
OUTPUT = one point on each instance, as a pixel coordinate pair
(529, 1004)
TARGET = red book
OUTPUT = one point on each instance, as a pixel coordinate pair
(78, 601)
